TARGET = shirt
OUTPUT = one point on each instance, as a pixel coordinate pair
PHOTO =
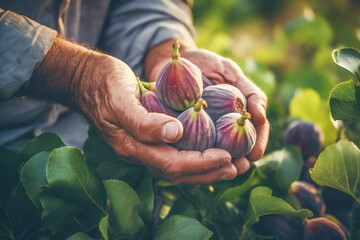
(126, 29)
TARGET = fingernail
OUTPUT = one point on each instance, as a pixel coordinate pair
(170, 131)
(224, 177)
(263, 111)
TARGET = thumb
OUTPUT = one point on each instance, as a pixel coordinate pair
(149, 127)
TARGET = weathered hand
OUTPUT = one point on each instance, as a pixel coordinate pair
(223, 70)
(105, 90)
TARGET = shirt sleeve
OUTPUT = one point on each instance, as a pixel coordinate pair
(133, 28)
(23, 45)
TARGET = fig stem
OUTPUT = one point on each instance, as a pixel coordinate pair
(176, 47)
(147, 85)
(199, 105)
(241, 120)
(142, 88)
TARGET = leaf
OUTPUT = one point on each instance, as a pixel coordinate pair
(33, 176)
(145, 191)
(6, 228)
(348, 58)
(307, 105)
(281, 168)
(338, 166)
(106, 163)
(56, 212)
(180, 227)
(342, 102)
(104, 227)
(80, 236)
(9, 164)
(45, 142)
(125, 209)
(70, 179)
(262, 203)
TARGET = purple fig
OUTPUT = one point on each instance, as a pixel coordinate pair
(199, 129)
(223, 99)
(342, 226)
(324, 229)
(309, 197)
(206, 81)
(285, 227)
(152, 103)
(179, 84)
(307, 136)
(235, 133)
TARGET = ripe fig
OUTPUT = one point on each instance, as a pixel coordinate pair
(305, 135)
(342, 226)
(285, 227)
(179, 84)
(206, 81)
(152, 103)
(235, 133)
(223, 99)
(309, 197)
(324, 229)
(199, 130)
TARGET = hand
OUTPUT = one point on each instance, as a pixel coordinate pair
(105, 90)
(223, 70)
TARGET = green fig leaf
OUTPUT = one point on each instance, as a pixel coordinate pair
(9, 164)
(80, 236)
(6, 228)
(338, 166)
(348, 58)
(70, 179)
(47, 141)
(56, 212)
(145, 191)
(180, 227)
(307, 105)
(281, 168)
(261, 203)
(104, 227)
(104, 161)
(342, 102)
(124, 219)
(33, 176)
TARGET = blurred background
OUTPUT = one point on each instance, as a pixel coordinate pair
(285, 47)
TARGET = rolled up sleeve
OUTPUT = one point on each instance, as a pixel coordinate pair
(23, 45)
(133, 28)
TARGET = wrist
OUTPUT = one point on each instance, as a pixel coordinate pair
(58, 77)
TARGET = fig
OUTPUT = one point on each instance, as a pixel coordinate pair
(223, 99)
(307, 136)
(235, 133)
(324, 229)
(342, 226)
(206, 81)
(285, 227)
(179, 84)
(199, 130)
(152, 102)
(309, 197)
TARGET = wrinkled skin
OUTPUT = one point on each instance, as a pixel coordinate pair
(106, 91)
(220, 70)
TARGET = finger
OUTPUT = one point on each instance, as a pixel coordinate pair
(242, 165)
(261, 142)
(144, 126)
(165, 160)
(226, 173)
